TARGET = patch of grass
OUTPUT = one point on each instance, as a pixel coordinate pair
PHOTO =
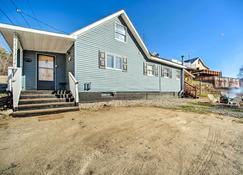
(238, 121)
(193, 108)
(208, 104)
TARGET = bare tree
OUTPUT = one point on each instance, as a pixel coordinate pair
(5, 61)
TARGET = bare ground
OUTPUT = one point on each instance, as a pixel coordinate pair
(122, 140)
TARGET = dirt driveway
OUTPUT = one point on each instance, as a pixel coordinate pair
(122, 140)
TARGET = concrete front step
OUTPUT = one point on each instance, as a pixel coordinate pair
(44, 105)
(37, 112)
(40, 100)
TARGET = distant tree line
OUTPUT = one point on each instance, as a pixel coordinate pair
(6, 60)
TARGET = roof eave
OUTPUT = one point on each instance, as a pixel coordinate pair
(166, 62)
(23, 29)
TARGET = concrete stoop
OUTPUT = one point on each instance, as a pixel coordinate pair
(41, 102)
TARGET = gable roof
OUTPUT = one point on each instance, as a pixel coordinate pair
(129, 24)
(134, 32)
(74, 35)
(193, 60)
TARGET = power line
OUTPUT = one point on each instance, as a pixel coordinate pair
(6, 16)
(33, 13)
(18, 10)
(41, 22)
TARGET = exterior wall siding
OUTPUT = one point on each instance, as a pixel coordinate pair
(102, 38)
(29, 74)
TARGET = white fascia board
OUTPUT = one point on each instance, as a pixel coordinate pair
(203, 62)
(166, 62)
(23, 29)
(127, 21)
(78, 32)
(135, 34)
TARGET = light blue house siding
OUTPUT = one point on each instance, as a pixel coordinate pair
(29, 75)
(102, 38)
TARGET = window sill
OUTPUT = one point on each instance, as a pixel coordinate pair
(121, 41)
(113, 69)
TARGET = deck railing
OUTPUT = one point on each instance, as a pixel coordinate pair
(190, 90)
(73, 86)
(16, 83)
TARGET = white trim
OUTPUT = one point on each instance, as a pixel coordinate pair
(178, 71)
(150, 65)
(74, 35)
(133, 31)
(202, 62)
(116, 23)
(114, 55)
(80, 31)
(170, 71)
(17, 28)
(126, 20)
(167, 62)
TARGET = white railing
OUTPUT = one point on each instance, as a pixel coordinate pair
(73, 86)
(16, 86)
(10, 78)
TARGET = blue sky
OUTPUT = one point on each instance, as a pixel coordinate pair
(212, 30)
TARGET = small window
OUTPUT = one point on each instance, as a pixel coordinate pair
(118, 62)
(110, 61)
(166, 72)
(120, 32)
(178, 75)
(114, 61)
(149, 70)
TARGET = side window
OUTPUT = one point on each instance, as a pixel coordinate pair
(120, 32)
(166, 72)
(178, 74)
(112, 61)
(150, 69)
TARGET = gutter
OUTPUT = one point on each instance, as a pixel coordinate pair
(166, 62)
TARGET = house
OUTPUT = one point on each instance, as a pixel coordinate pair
(202, 72)
(196, 64)
(102, 61)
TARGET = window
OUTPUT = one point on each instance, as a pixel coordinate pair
(149, 70)
(118, 62)
(178, 75)
(120, 32)
(110, 61)
(113, 61)
(166, 72)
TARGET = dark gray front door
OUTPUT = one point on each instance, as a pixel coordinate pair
(46, 72)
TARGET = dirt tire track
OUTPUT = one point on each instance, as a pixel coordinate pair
(204, 157)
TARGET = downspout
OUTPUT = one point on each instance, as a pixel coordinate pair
(182, 74)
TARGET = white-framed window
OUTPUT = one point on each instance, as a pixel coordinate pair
(120, 32)
(178, 74)
(166, 72)
(113, 61)
(149, 70)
